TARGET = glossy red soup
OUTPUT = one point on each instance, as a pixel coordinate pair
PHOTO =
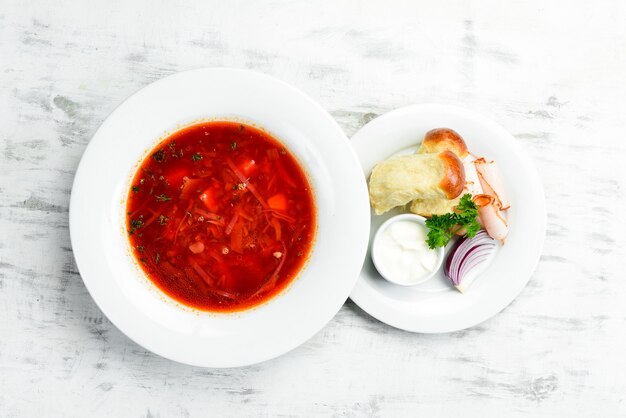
(220, 216)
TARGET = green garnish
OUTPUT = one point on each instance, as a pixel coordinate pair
(163, 198)
(196, 157)
(135, 189)
(441, 228)
(233, 145)
(135, 224)
(163, 220)
(172, 147)
(159, 156)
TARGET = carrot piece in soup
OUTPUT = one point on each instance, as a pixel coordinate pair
(210, 200)
(278, 202)
(248, 167)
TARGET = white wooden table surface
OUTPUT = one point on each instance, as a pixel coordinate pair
(553, 73)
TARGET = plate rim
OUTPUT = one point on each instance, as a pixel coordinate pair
(381, 314)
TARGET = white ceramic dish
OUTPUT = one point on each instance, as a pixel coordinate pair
(133, 303)
(380, 266)
(434, 306)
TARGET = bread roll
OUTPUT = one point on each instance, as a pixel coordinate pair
(430, 207)
(442, 139)
(437, 140)
(399, 180)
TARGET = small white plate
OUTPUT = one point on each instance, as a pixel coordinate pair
(434, 306)
(133, 303)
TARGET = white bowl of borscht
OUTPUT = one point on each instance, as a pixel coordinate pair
(219, 217)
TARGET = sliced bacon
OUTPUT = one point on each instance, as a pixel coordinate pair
(491, 217)
(491, 182)
(472, 182)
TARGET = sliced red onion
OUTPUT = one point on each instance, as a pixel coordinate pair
(467, 255)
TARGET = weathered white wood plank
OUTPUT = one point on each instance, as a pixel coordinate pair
(552, 73)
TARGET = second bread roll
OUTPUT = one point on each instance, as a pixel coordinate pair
(442, 139)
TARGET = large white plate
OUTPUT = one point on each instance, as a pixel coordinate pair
(133, 303)
(434, 306)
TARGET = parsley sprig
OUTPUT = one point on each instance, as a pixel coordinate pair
(441, 228)
(135, 224)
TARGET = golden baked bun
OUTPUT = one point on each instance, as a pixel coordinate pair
(399, 180)
(442, 139)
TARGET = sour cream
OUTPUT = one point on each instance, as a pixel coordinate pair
(400, 252)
